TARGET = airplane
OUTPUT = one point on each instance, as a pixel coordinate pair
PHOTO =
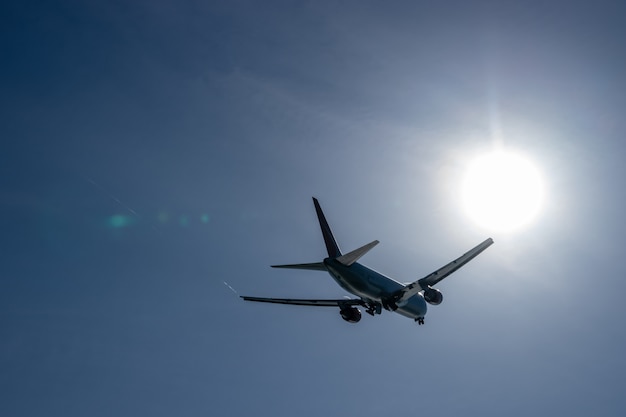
(375, 291)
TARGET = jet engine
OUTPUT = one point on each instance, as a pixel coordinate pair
(433, 296)
(350, 314)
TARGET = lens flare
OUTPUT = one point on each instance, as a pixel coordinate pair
(119, 221)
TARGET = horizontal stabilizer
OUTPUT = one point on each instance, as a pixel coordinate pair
(351, 257)
(317, 266)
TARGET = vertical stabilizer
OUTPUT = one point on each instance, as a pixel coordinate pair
(329, 240)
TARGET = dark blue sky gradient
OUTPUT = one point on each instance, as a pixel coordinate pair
(151, 151)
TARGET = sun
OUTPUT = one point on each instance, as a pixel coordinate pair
(502, 191)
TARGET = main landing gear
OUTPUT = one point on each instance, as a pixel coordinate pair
(374, 308)
(420, 320)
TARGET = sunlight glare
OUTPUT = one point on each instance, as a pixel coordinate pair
(502, 191)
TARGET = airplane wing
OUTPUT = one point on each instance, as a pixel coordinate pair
(432, 279)
(301, 302)
(316, 266)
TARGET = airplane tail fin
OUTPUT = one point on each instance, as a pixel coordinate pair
(331, 246)
(329, 240)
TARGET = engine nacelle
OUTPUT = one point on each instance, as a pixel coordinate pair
(351, 314)
(433, 296)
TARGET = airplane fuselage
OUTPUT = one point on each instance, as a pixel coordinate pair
(374, 287)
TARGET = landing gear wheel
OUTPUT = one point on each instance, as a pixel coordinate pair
(420, 320)
(373, 309)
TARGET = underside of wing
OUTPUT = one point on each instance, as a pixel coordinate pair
(316, 266)
(304, 302)
(432, 279)
(444, 271)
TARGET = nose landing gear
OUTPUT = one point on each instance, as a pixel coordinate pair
(420, 320)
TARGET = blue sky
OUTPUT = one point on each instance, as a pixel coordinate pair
(151, 151)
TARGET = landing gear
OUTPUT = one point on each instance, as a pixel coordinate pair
(374, 308)
(389, 304)
(420, 320)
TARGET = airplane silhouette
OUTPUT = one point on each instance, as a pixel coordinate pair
(375, 291)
